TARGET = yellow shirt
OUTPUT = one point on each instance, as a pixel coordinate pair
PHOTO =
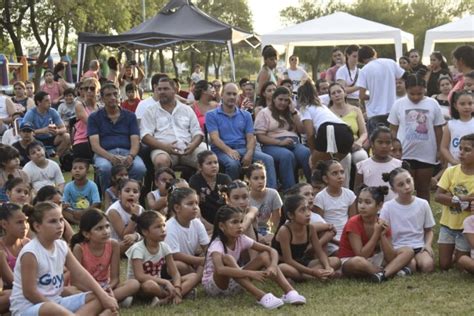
(457, 183)
(351, 120)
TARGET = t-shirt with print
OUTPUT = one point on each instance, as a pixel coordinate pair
(468, 225)
(242, 243)
(209, 199)
(40, 177)
(354, 225)
(81, 197)
(416, 127)
(456, 182)
(49, 276)
(295, 76)
(270, 202)
(185, 239)
(152, 262)
(458, 129)
(336, 208)
(372, 172)
(408, 222)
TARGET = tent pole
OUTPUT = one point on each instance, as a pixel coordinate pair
(81, 56)
(231, 55)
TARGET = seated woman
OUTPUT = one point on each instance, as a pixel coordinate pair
(277, 127)
(353, 117)
(328, 135)
(21, 100)
(264, 97)
(203, 101)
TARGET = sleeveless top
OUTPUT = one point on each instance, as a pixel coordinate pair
(351, 120)
(112, 196)
(124, 216)
(53, 91)
(11, 259)
(201, 117)
(297, 250)
(23, 103)
(458, 129)
(98, 266)
(80, 136)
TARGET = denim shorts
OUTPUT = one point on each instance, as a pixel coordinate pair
(453, 237)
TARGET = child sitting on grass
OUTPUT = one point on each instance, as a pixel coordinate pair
(42, 171)
(79, 194)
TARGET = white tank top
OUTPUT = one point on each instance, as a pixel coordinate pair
(49, 275)
(458, 129)
(124, 215)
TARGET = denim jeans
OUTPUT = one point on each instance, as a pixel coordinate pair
(136, 171)
(232, 167)
(288, 159)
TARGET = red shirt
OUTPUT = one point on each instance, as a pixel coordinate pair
(354, 225)
(130, 105)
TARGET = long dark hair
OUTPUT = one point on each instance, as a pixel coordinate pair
(281, 116)
(290, 205)
(261, 98)
(307, 95)
(456, 95)
(89, 219)
(441, 58)
(224, 213)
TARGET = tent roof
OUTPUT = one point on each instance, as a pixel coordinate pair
(178, 21)
(458, 31)
(339, 28)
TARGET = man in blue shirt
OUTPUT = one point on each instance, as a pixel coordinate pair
(233, 139)
(115, 138)
(47, 124)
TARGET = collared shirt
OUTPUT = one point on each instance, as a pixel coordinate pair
(181, 124)
(232, 129)
(113, 135)
(41, 120)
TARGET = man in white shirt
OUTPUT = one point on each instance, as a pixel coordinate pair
(171, 129)
(379, 76)
(148, 102)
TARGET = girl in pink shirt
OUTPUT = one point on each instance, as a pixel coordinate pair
(51, 87)
(100, 256)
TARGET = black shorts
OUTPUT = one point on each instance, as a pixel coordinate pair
(416, 164)
(343, 135)
(47, 142)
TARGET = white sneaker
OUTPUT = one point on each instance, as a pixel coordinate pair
(127, 302)
(270, 301)
(293, 298)
(155, 302)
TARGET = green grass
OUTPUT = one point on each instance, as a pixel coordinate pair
(434, 294)
(439, 293)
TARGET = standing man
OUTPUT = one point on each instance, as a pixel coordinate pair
(233, 138)
(171, 129)
(379, 76)
(114, 137)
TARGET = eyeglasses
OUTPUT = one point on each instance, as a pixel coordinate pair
(91, 88)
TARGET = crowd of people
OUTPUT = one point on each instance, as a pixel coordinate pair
(371, 138)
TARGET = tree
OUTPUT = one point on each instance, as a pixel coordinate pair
(12, 20)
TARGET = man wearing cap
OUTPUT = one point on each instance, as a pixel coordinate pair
(47, 124)
(27, 136)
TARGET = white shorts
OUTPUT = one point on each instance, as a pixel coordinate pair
(376, 259)
(212, 289)
(72, 303)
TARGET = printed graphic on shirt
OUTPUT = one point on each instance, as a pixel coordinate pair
(153, 268)
(82, 203)
(55, 280)
(458, 190)
(416, 125)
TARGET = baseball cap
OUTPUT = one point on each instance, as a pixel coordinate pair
(26, 126)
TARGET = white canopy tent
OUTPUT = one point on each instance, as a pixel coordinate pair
(339, 28)
(458, 31)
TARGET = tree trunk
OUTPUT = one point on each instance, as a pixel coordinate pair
(162, 61)
(219, 63)
(206, 66)
(151, 62)
(315, 65)
(173, 60)
(192, 61)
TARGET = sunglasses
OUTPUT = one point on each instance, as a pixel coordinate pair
(115, 94)
(91, 88)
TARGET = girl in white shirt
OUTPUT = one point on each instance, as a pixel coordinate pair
(39, 272)
(462, 123)
(418, 122)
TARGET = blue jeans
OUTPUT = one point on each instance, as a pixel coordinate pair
(288, 158)
(136, 171)
(232, 167)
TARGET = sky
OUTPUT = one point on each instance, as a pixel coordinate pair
(266, 14)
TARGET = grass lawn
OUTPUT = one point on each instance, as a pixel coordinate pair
(440, 293)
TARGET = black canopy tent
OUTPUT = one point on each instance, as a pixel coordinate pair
(179, 21)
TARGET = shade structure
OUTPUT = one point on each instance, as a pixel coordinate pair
(455, 32)
(179, 21)
(339, 28)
